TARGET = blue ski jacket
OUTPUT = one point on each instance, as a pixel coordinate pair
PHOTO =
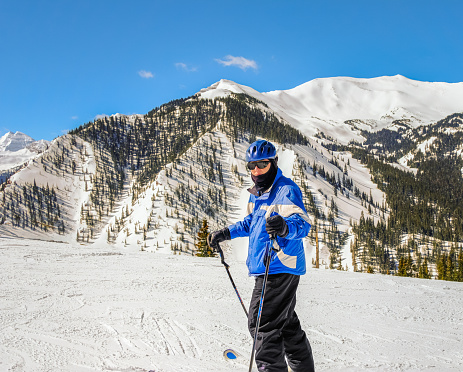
(283, 198)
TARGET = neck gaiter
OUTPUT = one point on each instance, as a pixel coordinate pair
(264, 181)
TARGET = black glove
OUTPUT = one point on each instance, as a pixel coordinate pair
(216, 237)
(276, 225)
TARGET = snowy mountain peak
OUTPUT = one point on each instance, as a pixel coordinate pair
(17, 148)
(15, 141)
(224, 88)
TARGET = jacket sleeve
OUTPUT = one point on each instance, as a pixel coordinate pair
(297, 227)
(291, 208)
(241, 228)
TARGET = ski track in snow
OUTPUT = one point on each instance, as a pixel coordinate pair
(67, 307)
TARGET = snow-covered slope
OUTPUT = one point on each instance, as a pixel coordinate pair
(11, 160)
(72, 190)
(371, 104)
(74, 308)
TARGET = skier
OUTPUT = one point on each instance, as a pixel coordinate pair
(275, 208)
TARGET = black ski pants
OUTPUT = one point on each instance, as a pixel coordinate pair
(280, 333)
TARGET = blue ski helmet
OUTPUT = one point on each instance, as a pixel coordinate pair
(261, 150)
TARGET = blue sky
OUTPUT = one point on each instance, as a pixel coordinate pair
(63, 62)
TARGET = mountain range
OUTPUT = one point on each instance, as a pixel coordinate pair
(13, 142)
(342, 106)
(365, 152)
(15, 150)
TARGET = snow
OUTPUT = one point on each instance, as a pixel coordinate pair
(224, 88)
(10, 160)
(70, 188)
(14, 141)
(17, 148)
(69, 307)
(286, 159)
(325, 104)
(422, 146)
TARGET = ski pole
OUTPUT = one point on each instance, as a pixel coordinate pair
(231, 279)
(261, 303)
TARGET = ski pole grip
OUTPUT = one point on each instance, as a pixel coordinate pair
(273, 243)
(222, 258)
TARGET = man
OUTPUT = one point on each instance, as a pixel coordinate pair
(275, 208)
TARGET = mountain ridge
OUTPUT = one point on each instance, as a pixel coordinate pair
(147, 181)
(328, 104)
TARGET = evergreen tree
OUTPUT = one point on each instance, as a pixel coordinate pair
(459, 271)
(442, 267)
(202, 248)
(402, 267)
(449, 274)
(424, 271)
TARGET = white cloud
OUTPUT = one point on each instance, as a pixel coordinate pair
(241, 62)
(185, 67)
(146, 74)
(74, 117)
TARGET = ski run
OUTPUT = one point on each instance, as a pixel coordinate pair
(68, 307)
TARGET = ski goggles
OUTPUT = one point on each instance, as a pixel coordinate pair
(261, 164)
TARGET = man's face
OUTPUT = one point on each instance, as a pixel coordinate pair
(257, 171)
